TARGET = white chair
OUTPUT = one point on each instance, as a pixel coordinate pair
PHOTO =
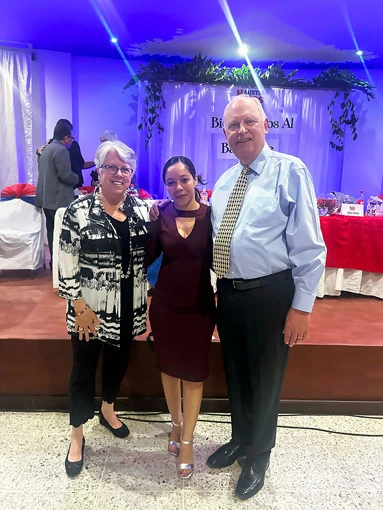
(21, 235)
(55, 248)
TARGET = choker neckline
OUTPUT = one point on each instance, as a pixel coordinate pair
(194, 213)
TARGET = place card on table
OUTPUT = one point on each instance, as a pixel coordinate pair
(352, 210)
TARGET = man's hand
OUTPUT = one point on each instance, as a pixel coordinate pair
(155, 209)
(296, 326)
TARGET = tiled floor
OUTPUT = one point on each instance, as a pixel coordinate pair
(308, 470)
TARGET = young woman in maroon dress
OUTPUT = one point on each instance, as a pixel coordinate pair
(182, 311)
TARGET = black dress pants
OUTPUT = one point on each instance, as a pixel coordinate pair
(83, 378)
(50, 225)
(250, 324)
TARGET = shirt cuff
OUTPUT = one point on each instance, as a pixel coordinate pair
(70, 296)
(303, 302)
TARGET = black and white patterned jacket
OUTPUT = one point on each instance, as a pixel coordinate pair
(90, 263)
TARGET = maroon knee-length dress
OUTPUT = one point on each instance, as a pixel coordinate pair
(182, 310)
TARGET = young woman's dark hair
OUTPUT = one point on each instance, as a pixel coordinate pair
(189, 165)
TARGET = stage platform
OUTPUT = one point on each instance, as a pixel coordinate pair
(338, 370)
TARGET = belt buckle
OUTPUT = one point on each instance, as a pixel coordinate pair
(235, 284)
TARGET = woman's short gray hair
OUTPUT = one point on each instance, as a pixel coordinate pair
(108, 136)
(125, 153)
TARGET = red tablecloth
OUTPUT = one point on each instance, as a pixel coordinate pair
(354, 242)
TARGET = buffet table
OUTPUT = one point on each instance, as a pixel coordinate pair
(354, 255)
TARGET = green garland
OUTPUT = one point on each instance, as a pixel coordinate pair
(203, 70)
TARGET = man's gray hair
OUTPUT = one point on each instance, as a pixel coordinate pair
(247, 98)
(125, 153)
(108, 136)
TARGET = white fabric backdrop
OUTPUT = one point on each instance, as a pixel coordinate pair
(192, 128)
(16, 117)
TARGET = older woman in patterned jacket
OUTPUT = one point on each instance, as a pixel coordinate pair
(102, 278)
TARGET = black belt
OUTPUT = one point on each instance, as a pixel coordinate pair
(253, 283)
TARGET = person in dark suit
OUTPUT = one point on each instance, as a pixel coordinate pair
(56, 180)
(77, 162)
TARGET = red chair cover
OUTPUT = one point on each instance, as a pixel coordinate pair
(19, 190)
(88, 189)
(143, 194)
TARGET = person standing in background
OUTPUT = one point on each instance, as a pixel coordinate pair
(55, 180)
(77, 162)
(108, 136)
(76, 159)
(269, 256)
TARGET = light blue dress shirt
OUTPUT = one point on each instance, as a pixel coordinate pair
(278, 225)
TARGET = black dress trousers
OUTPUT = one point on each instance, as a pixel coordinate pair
(250, 324)
(82, 383)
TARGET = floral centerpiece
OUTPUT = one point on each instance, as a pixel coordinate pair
(328, 205)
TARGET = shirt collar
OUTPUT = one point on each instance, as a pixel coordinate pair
(259, 162)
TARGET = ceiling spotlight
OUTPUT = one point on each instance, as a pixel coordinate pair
(113, 40)
(243, 49)
(359, 53)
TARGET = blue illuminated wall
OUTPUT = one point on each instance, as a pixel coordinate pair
(89, 91)
(363, 159)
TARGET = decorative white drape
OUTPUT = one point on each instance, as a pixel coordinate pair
(16, 163)
(193, 121)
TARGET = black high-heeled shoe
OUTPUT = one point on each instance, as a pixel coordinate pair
(74, 468)
(121, 432)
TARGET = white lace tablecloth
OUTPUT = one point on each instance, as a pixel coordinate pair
(336, 280)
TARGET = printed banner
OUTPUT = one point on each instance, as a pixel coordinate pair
(193, 127)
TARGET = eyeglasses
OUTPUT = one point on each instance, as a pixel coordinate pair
(235, 126)
(113, 169)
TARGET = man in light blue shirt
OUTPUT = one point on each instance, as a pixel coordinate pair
(277, 257)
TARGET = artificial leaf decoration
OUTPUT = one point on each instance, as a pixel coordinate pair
(203, 70)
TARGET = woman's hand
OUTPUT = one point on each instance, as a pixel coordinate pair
(86, 323)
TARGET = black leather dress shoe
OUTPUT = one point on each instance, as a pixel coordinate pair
(225, 456)
(74, 468)
(251, 479)
(121, 432)
(262, 457)
(241, 460)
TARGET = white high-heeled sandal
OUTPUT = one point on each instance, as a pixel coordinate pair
(184, 466)
(174, 446)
